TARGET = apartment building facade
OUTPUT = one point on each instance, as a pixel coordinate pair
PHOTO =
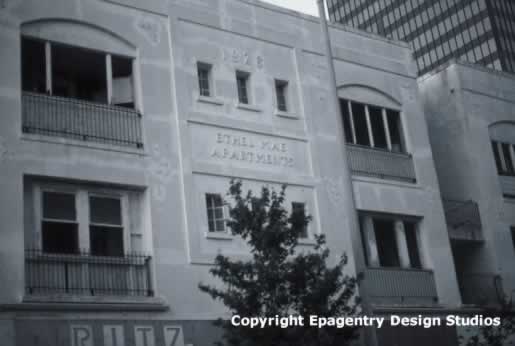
(464, 102)
(122, 124)
(477, 31)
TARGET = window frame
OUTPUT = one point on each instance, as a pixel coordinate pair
(246, 97)
(83, 211)
(225, 214)
(281, 88)
(504, 166)
(306, 234)
(348, 111)
(108, 70)
(205, 90)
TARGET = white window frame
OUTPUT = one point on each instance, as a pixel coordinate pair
(225, 214)
(82, 210)
(248, 90)
(108, 71)
(285, 85)
(384, 122)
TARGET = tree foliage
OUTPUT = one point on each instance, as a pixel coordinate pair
(279, 279)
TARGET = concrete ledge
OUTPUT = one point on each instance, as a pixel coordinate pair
(52, 303)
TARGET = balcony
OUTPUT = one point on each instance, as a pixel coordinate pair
(508, 185)
(86, 275)
(387, 286)
(481, 289)
(463, 220)
(81, 120)
(381, 163)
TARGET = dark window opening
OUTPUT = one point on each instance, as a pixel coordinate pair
(510, 169)
(346, 121)
(79, 73)
(60, 237)
(106, 241)
(378, 129)
(123, 82)
(386, 243)
(497, 157)
(280, 91)
(360, 123)
(204, 71)
(512, 230)
(242, 80)
(394, 126)
(299, 215)
(413, 250)
(33, 65)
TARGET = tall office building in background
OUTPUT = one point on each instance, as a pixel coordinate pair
(478, 31)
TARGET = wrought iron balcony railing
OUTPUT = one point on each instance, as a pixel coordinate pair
(463, 220)
(481, 288)
(381, 163)
(81, 120)
(84, 274)
(400, 286)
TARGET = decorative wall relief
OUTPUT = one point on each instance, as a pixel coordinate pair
(334, 189)
(243, 57)
(161, 172)
(150, 28)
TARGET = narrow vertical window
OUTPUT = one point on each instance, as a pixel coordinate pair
(510, 169)
(299, 211)
(204, 76)
(411, 240)
(215, 213)
(394, 126)
(33, 65)
(386, 243)
(123, 82)
(512, 230)
(378, 129)
(360, 124)
(497, 157)
(242, 82)
(59, 225)
(347, 125)
(106, 227)
(280, 92)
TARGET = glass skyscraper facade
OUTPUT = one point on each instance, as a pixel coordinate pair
(478, 31)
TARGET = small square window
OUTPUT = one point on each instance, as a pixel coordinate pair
(242, 82)
(280, 92)
(204, 79)
(215, 213)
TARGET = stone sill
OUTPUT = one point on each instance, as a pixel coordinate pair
(288, 115)
(211, 100)
(218, 236)
(81, 303)
(249, 107)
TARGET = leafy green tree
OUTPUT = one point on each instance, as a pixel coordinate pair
(279, 279)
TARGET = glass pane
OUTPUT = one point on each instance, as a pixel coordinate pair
(79, 73)
(378, 130)
(105, 210)
(59, 206)
(386, 243)
(360, 124)
(497, 157)
(60, 237)
(106, 241)
(507, 158)
(33, 65)
(219, 213)
(394, 125)
(411, 239)
(220, 226)
(346, 120)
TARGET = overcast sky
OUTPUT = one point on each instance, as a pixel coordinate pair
(306, 6)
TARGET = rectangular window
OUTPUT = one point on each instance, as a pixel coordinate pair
(512, 229)
(506, 148)
(106, 227)
(497, 156)
(387, 230)
(299, 210)
(360, 123)
(347, 125)
(280, 93)
(386, 243)
(74, 72)
(378, 128)
(204, 79)
(503, 158)
(33, 65)
(394, 126)
(215, 213)
(242, 82)
(59, 225)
